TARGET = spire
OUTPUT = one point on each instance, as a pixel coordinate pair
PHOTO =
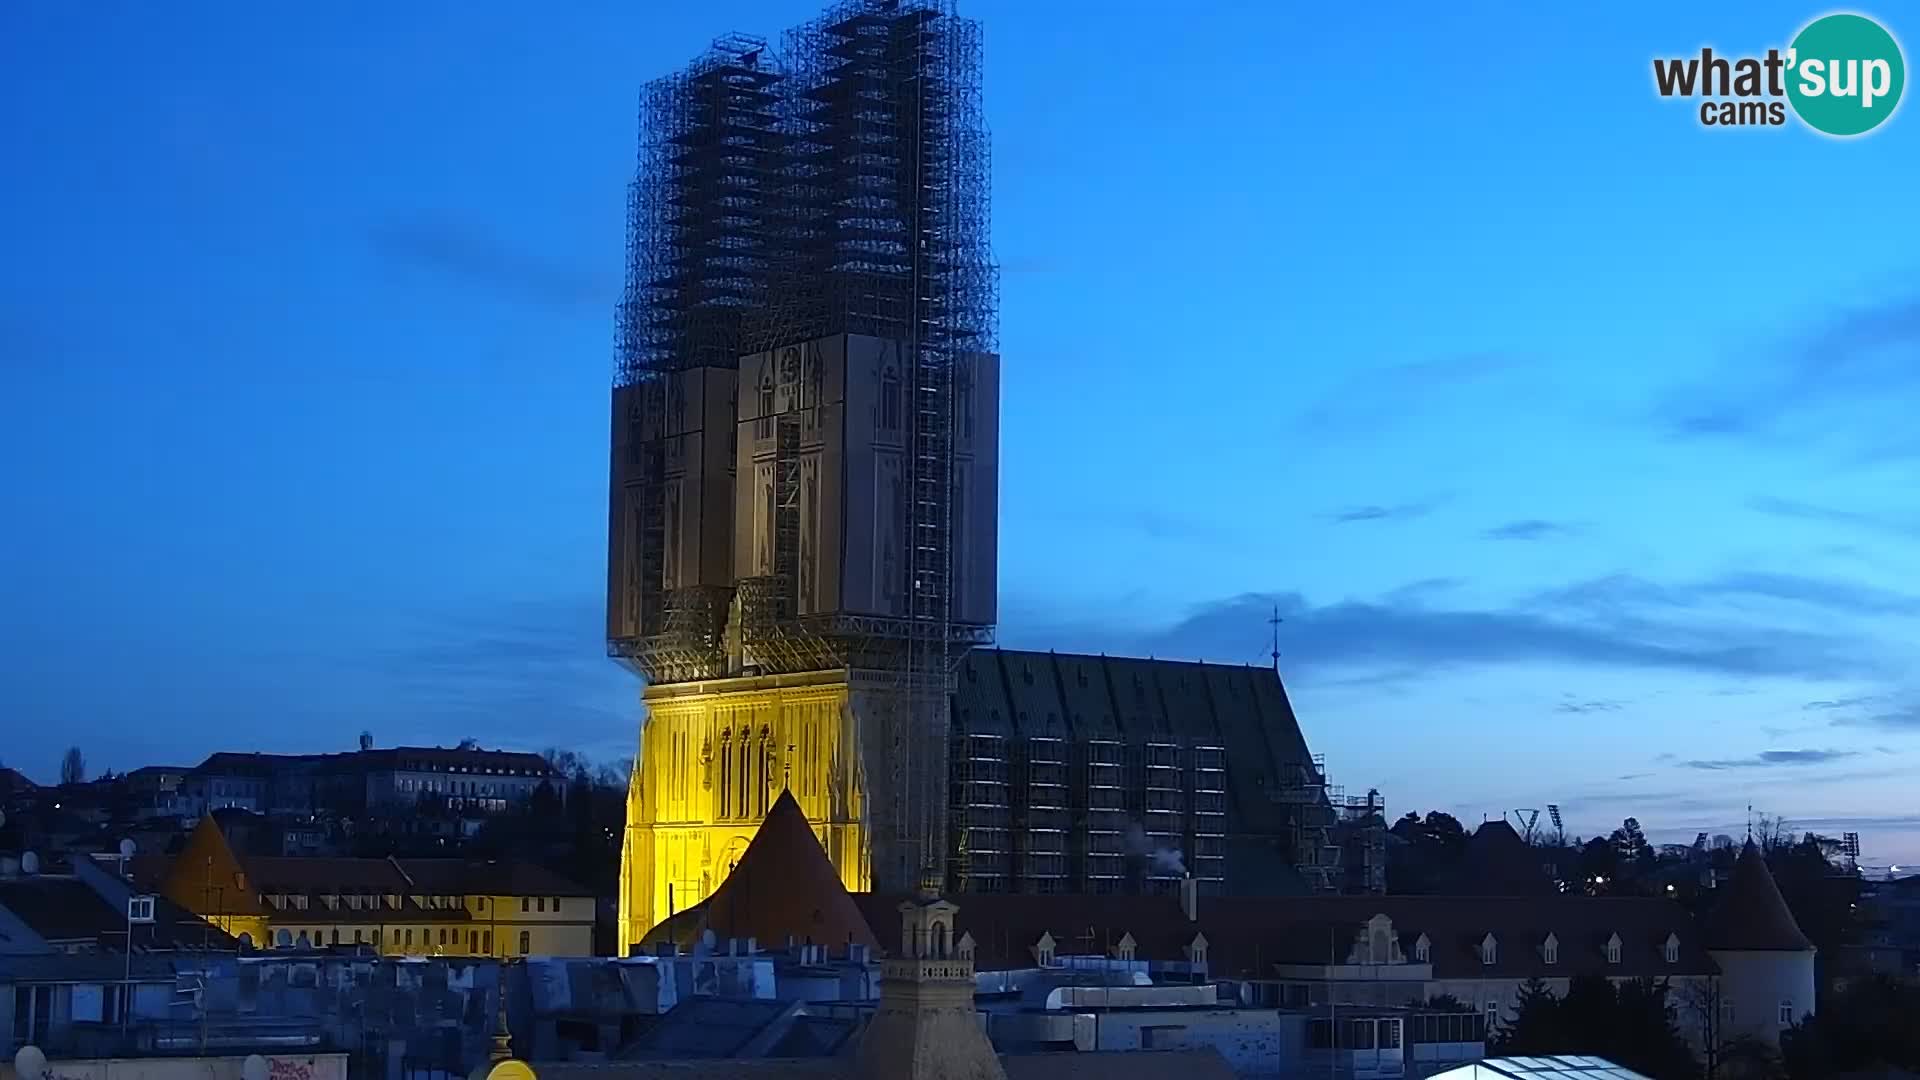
(1751, 915)
(785, 886)
(925, 1026)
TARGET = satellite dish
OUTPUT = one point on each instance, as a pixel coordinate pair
(126, 848)
(29, 864)
(30, 1063)
(254, 1068)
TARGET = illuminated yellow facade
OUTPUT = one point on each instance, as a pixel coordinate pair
(399, 913)
(714, 756)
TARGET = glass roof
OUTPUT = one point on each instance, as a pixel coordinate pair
(1565, 1067)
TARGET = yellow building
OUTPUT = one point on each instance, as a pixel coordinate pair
(714, 756)
(402, 907)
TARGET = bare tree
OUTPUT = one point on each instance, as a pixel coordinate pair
(73, 767)
(1772, 833)
(1704, 1003)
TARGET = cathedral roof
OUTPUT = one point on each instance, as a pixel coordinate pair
(1751, 915)
(783, 886)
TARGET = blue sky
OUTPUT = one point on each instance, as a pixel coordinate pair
(1575, 442)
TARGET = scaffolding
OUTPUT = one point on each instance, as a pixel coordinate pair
(838, 187)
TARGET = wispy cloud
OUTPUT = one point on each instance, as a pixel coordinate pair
(1618, 592)
(1846, 383)
(1906, 528)
(1905, 717)
(474, 254)
(1774, 758)
(1385, 397)
(1387, 634)
(1844, 703)
(1588, 706)
(1529, 529)
(1374, 512)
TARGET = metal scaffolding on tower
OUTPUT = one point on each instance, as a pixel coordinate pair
(836, 186)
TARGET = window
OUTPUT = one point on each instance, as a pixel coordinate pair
(1489, 951)
(1422, 950)
(1550, 950)
(473, 941)
(32, 1014)
(1613, 949)
(443, 935)
(409, 937)
(140, 909)
(1673, 949)
(541, 903)
(336, 936)
(482, 905)
(1493, 1013)
(526, 904)
(1786, 1013)
(526, 943)
(359, 937)
(556, 900)
(486, 942)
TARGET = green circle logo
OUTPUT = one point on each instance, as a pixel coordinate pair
(1845, 74)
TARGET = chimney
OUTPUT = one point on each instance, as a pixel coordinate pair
(1190, 898)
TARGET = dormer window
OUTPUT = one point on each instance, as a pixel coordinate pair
(1550, 949)
(1613, 949)
(1197, 951)
(1489, 951)
(1124, 949)
(1673, 949)
(1043, 950)
(1422, 950)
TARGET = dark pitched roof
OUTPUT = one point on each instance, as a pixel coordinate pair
(1497, 862)
(207, 874)
(421, 877)
(60, 908)
(783, 886)
(1247, 936)
(1751, 914)
(1206, 1064)
(67, 909)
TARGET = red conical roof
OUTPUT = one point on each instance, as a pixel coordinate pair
(1751, 914)
(784, 885)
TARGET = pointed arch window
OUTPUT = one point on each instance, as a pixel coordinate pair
(889, 400)
(1613, 949)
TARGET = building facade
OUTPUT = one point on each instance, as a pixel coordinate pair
(398, 907)
(362, 781)
(1067, 774)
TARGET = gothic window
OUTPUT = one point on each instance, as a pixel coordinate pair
(889, 400)
(964, 389)
(746, 744)
(726, 771)
(765, 426)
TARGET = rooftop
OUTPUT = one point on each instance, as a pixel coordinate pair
(1750, 914)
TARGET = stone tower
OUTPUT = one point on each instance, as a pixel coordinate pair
(926, 1027)
(1766, 962)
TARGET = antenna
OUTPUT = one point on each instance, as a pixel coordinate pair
(1275, 622)
(1526, 818)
